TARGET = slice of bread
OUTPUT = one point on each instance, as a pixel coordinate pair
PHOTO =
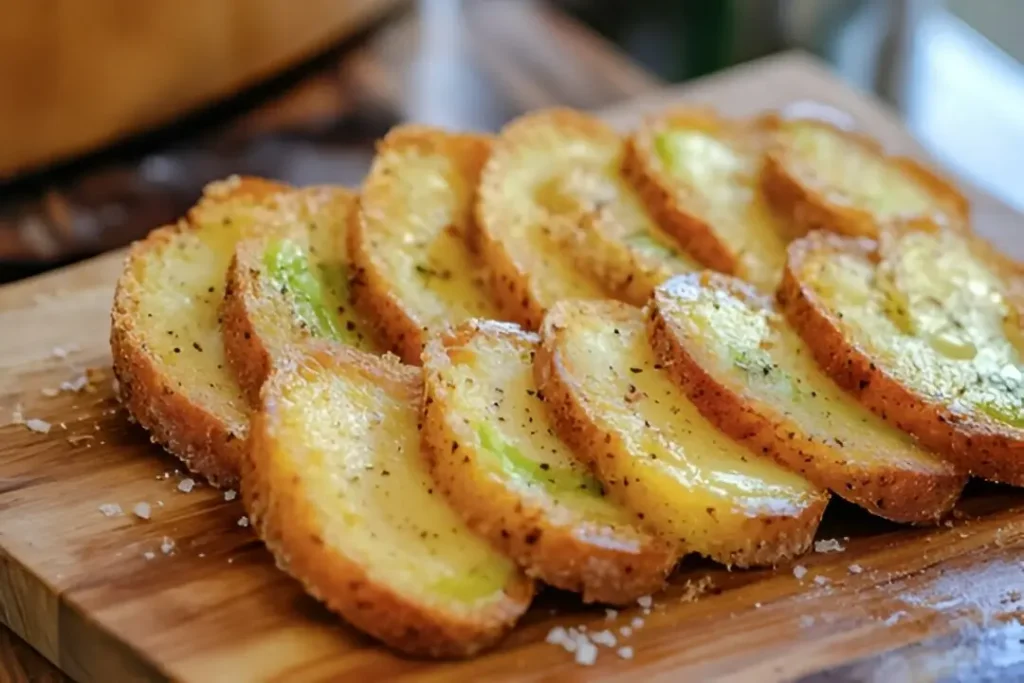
(653, 450)
(920, 328)
(495, 455)
(699, 173)
(290, 285)
(755, 379)
(337, 488)
(414, 271)
(819, 176)
(169, 361)
(524, 222)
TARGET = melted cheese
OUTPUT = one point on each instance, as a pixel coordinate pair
(689, 480)
(354, 444)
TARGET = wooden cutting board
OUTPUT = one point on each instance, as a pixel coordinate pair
(99, 597)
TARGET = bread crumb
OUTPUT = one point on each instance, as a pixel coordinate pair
(830, 545)
(75, 385)
(606, 638)
(799, 571)
(610, 614)
(36, 425)
(645, 601)
(149, 555)
(855, 569)
(694, 589)
(167, 545)
(586, 653)
(625, 652)
(111, 509)
(243, 521)
(142, 510)
(186, 485)
(821, 580)
(230, 495)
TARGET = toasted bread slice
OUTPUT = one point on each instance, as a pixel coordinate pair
(165, 337)
(495, 455)
(337, 488)
(523, 218)
(291, 285)
(699, 174)
(920, 330)
(653, 450)
(414, 271)
(819, 176)
(752, 376)
(607, 228)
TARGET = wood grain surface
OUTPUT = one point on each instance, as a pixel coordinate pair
(895, 604)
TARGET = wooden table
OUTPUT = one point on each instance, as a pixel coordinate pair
(930, 604)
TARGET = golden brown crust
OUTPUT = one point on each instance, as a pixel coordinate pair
(659, 190)
(811, 208)
(203, 440)
(757, 541)
(974, 443)
(397, 324)
(286, 520)
(516, 285)
(604, 561)
(896, 490)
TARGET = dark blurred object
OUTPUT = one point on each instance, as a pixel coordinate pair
(79, 75)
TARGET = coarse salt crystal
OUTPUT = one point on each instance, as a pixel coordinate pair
(611, 614)
(149, 554)
(142, 510)
(49, 392)
(625, 631)
(230, 494)
(243, 521)
(830, 545)
(167, 545)
(799, 571)
(75, 385)
(821, 580)
(586, 653)
(110, 509)
(637, 622)
(625, 652)
(606, 638)
(645, 601)
(186, 485)
(556, 636)
(855, 569)
(36, 425)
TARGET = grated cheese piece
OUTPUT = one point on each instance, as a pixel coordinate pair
(110, 509)
(36, 425)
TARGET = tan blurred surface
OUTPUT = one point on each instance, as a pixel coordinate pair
(76, 75)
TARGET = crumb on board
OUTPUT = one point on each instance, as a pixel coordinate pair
(694, 589)
(37, 425)
(830, 545)
(186, 485)
(110, 509)
(142, 510)
(799, 571)
(149, 555)
(243, 521)
(230, 495)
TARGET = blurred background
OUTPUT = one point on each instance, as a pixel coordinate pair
(115, 113)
